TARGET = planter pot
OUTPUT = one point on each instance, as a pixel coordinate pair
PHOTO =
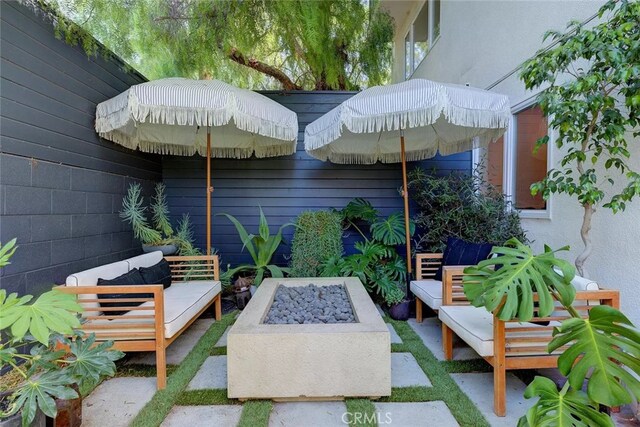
(400, 311)
(242, 298)
(69, 413)
(165, 249)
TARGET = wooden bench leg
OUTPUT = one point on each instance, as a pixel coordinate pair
(161, 366)
(218, 307)
(447, 342)
(418, 310)
(499, 389)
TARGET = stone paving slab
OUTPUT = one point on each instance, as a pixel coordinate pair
(405, 371)
(218, 415)
(212, 374)
(222, 342)
(430, 332)
(395, 338)
(117, 401)
(414, 414)
(180, 348)
(479, 388)
(308, 414)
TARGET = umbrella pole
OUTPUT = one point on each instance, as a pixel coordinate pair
(405, 195)
(209, 190)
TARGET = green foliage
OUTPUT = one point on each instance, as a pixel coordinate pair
(564, 408)
(377, 264)
(317, 237)
(322, 45)
(509, 289)
(160, 233)
(261, 247)
(594, 112)
(463, 206)
(6, 251)
(601, 346)
(605, 346)
(48, 373)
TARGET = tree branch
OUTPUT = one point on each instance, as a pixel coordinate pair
(287, 84)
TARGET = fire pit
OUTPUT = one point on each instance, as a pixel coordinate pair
(343, 353)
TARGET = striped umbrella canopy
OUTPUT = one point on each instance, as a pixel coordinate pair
(178, 116)
(408, 121)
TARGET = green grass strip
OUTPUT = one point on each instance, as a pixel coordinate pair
(139, 370)
(413, 394)
(444, 387)
(466, 366)
(218, 351)
(159, 406)
(206, 397)
(255, 413)
(361, 412)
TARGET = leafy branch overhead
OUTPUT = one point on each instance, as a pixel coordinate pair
(292, 45)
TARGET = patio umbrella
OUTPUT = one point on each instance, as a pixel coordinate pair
(407, 121)
(176, 116)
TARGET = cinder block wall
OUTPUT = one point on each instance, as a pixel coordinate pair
(61, 187)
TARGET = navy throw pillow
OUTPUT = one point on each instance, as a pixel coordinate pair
(461, 252)
(157, 274)
(131, 278)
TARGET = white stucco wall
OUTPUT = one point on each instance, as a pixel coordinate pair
(481, 43)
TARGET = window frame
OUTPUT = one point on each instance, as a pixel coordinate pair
(510, 161)
(410, 35)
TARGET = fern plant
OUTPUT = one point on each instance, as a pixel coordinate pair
(159, 232)
(605, 346)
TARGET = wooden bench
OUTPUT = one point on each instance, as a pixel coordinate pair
(161, 317)
(426, 288)
(507, 345)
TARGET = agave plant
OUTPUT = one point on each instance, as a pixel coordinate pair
(261, 247)
(606, 345)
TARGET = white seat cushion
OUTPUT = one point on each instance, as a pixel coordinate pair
(474, 325)
(90, 278)
(181, 303)
(428, 291)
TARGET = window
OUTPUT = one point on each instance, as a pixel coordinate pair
(512, 165)
(422, 34)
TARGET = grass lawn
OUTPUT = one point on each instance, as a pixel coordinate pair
(256, 413)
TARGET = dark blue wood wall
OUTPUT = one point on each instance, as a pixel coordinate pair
(283, 186)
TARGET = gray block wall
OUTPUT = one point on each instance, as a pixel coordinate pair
(61, 187)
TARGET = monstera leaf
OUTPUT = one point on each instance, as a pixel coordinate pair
(564, 408)
(359, 209)
(603, 344)
(507, 281)
(390, 231)
(52, 312)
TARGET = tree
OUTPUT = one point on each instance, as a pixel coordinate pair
(592, 98)
(293, 45)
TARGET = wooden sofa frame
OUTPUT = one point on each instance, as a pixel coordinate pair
(147, 328)
(426, 266)
(521, 346)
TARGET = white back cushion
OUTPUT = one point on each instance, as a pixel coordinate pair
(144, 260)
(90, 278)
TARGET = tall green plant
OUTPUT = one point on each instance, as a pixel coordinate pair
(261, 247)
(317, 237)
(594, 112)
(606, 345)
(463, 206)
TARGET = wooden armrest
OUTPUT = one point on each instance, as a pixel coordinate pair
(427, 264)
(452, 290)
(197, 267)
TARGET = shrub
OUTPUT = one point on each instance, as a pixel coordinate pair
(462, 206)
(318, 236)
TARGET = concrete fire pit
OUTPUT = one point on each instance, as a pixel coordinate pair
(309, 361)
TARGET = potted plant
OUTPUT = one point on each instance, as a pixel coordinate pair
(606, 345)
(261, 247)
(399, 307)
(53, 361)
(158, 236)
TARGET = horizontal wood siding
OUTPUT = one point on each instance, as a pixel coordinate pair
(283, 186)
(61, 186)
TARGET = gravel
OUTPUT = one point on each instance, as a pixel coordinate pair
(310, 304)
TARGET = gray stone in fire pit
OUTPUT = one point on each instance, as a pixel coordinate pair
(310, 304)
